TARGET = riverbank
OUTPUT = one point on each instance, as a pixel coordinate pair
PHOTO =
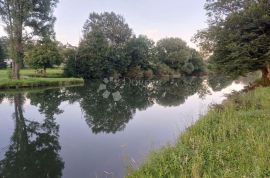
(232, 140)
(29, 79)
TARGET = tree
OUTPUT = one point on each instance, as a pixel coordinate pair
(102, 49)
(238, 36)
(44, 54)
(24, 18)
(92, 56)
(140, 51)
(175, 53)
(112, 26)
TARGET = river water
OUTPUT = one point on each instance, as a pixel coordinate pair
(99, 129)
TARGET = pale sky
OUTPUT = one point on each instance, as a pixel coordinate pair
(155, 18)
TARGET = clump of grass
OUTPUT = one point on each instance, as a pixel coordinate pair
(230, 141)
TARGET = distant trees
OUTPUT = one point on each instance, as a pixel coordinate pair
(44, 54)
(238, 36)
(108, 48)
(17, 15)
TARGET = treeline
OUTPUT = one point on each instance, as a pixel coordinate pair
(109, 48)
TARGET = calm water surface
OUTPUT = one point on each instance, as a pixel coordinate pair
(99, 129)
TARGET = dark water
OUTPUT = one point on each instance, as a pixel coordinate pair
(99, 129)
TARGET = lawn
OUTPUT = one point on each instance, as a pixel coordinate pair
(30, 79)
(232, 140)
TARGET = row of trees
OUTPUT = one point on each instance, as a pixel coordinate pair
(109, 48)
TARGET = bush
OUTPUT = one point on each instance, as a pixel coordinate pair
(164, 70)
(188, 68)
(135, 73)
(148, 74)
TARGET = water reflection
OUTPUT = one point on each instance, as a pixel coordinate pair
(106, 113)
(34, 148)
(108, 106)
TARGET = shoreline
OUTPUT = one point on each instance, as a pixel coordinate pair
(231, 140)
(39, 82)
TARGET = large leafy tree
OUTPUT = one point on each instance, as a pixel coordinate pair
(18, 15)
(112, 26)
(238, 36)
(102, 49)
(44, 54)
(140, 51)
(175, 53)
(92, 56)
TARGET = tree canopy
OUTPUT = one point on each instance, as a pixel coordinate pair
(109, 48)
(43, 55)
(238, 36)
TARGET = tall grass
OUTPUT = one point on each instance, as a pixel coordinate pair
(232, 140)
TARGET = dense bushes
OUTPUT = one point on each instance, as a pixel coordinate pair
(108, 48)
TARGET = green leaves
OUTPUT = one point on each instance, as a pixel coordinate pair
(239, 37)
(43, 55)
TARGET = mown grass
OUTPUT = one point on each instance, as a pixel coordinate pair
(30, 79)
(232, 140)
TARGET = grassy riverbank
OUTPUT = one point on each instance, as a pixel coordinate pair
(30, 79)
(232, 140)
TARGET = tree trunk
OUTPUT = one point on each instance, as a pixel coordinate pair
(266, 74)
(15, 70)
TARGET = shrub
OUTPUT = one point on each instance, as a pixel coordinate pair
(164, 70)
(148, 74)
(135, 73)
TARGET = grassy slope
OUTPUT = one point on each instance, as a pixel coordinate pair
(30, 79)
(232, 140)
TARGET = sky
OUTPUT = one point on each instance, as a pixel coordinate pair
(155, 18)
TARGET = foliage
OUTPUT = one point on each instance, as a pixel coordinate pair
(175, 53)
(113, 27)
(238, 36)
(35, 16)
(223, 143)
(92, 56)
(109, 49)
(44, 54)
(4, 54)
(140, 51)
(70, 56)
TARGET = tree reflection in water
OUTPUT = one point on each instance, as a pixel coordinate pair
(34, 148)
(107, 107)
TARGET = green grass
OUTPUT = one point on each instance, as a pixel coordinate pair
(30, 79)
(232, 140)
